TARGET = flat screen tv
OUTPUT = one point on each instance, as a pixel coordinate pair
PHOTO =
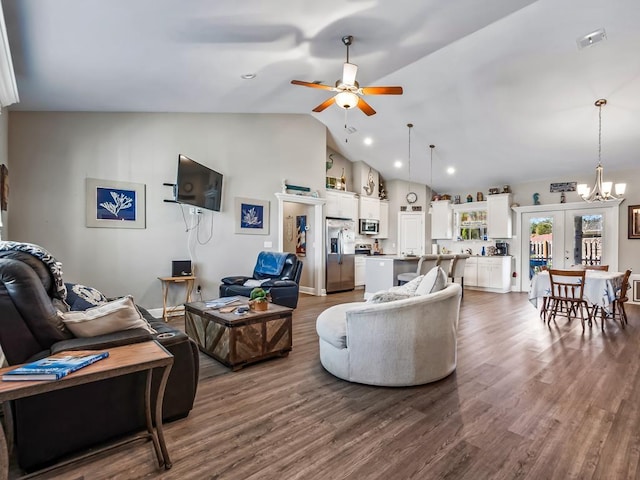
(198, 185)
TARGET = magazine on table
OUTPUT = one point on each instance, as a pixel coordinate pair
(221, 302)
(55, 366)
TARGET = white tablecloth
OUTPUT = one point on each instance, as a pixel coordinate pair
(599, 287)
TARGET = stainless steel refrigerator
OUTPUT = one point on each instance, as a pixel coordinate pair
(341, 241)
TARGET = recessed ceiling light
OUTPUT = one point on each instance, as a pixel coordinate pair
(368, 141)
(248, 76)
(397, 164)
(451, 170)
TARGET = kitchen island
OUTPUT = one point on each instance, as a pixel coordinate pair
(381, 271)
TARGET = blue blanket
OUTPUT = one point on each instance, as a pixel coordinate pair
(270, 263)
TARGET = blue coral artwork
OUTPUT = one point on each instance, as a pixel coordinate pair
(115, 204)
(252, 216)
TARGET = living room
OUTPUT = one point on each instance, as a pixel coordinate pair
(50, 151)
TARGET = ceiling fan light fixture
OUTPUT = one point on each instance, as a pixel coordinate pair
(346, 100)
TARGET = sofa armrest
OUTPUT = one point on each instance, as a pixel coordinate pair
(237, 280)
(101, 342)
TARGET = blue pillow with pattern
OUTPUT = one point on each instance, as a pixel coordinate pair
(81, 297)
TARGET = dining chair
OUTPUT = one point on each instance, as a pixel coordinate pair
(545, 299)
(567, 295)
(621, 299)
(603, 268)
(426, 263)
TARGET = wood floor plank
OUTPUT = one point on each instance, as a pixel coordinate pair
(527, 401)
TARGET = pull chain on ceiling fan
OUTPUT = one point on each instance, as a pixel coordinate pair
(348, 90)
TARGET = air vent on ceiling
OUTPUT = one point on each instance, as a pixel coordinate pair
(351, 130)
(591, 38)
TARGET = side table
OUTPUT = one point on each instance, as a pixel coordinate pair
(123, 360)
(188, 281)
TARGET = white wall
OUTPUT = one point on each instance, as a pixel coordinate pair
(52, 153)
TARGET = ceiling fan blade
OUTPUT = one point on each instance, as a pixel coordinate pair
(365, 107)
(349, 73)
(381, 90)
(312, 85)
(325, 104)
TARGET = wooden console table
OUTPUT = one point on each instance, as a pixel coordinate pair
(238, 340)
(123, 360)
(188, 280)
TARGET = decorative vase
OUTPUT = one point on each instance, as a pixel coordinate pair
(259, 305)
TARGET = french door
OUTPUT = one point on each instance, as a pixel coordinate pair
(569, 234)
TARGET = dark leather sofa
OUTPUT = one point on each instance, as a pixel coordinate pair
(280, 275)
(52, 425)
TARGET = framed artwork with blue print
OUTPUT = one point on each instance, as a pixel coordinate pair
(112, 204)
(252, 216)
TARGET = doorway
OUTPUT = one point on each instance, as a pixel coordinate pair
(559, 236)
(300, 231)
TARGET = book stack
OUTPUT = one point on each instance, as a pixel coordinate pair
(54, 367)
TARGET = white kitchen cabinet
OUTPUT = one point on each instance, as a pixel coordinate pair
(341, 205)
(492, 274)
(369, 208)
(383, 231)
(471, 272)
(360, 270)
(499, 217)
(441, 220)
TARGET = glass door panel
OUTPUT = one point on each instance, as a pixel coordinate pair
(586, 242)
(542, 242)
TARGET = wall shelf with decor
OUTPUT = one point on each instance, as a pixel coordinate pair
(470, 220)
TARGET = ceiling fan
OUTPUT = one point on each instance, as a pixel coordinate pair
(348, 89)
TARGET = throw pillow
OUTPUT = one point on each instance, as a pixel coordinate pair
(387, 296)
(115, 316)
(408, 288)
(434, 281)
(81, 297)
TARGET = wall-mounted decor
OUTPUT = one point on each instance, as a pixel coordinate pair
(634, 221)
(563, 187)
(112, 204)
(301, 233)
(4, 187)
(252, 216)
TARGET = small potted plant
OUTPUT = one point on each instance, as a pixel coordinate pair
(258, 299)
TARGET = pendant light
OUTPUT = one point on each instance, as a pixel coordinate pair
(431, 147)
(412, 197)
(601, 190)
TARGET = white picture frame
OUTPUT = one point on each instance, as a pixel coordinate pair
(113, 204)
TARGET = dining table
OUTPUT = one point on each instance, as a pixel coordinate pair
(600, 287)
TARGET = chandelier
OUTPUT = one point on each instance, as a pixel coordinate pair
(601, 190)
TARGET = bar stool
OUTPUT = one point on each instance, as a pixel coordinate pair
(426, 263)
(457, 269)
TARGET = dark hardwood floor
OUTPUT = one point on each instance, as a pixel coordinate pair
(526, 401)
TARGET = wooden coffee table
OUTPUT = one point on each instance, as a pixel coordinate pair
(239, 340)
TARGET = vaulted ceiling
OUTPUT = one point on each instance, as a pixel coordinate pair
(499, 86)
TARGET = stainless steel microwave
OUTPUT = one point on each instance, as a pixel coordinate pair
(369, 227)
